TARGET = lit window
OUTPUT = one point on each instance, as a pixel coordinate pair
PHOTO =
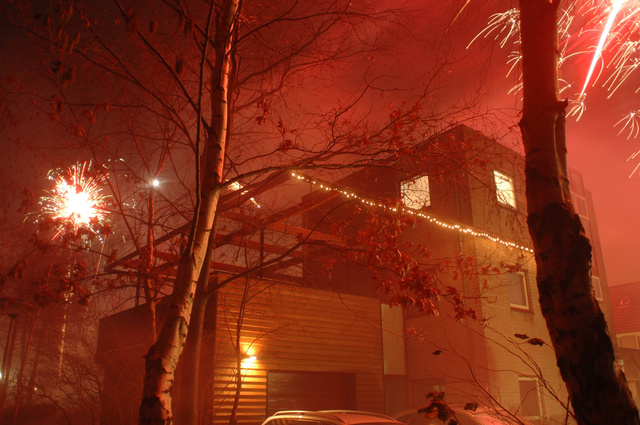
(415, 192)
(505, 189)
(529, 398)
(597, 289)
(518, 290)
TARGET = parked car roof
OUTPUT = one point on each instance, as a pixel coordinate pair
(481, 416)
(329, 417)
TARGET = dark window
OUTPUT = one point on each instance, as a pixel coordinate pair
(529, 397)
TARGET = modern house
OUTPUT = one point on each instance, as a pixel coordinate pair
(319, 328)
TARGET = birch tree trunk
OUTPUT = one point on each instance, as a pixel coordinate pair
(188, 406)
(162, 358)
(597, 389)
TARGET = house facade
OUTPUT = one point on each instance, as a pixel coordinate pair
(327, 337)
(294, 348)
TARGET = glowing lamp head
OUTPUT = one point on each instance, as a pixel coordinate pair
(248, 361)
(155, 183)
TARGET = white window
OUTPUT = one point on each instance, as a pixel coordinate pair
(517, 283)
(581, 206)
(597, 289)
(529, 398)
(628, 341)
(505, 189)
(415, 192)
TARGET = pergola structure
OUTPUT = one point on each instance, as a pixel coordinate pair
(247, 231)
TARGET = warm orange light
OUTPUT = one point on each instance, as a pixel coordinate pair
(248, 361)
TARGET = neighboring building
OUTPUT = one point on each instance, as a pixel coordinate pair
(625, 302)
(583, 204)
(325, 339)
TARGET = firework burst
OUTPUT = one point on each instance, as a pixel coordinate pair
(76, 205)
(610, 29)
(612, 13)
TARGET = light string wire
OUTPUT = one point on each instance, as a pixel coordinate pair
(410, 211)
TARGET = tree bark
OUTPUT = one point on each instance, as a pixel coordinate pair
(188, 406)
(163, 356)
(597, 389)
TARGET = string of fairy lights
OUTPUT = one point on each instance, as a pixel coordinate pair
(450, 226)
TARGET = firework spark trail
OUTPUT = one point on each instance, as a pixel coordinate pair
(633, 156)
(76, 201)
(615, 8)
(625, 62)
(630, 122)
(578, 106)
(628, 24)
(614, 24)
(505, 25)
(458, 14)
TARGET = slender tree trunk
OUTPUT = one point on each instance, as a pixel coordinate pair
(6, 363)
(187, 402)
(187, 410)
(598, 391)
(145, 281)
(23, 365)
(163, 356)
(240, 353)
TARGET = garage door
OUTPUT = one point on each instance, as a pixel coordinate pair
(288, 390)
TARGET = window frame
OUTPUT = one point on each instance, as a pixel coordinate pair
(525, 291)
(522, 378)
(599, 286)
(499, 178)
(405, 186)
(581, 206)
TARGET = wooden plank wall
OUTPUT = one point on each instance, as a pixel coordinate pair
(291, 328)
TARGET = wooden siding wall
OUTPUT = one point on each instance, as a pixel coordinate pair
(292, 328)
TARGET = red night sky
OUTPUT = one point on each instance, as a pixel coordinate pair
(595, 149)
(601, 156)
